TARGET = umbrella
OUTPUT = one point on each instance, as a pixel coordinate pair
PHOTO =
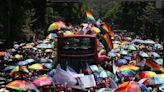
(111, 54)
(155, 54)
(128, 67)
(43, 80)
(143, 54)
(105, 90)
(37, 66)
(56, 25)
(137, 41)
(103, 74)
(127, 57)
(27, 61)
(47, 65)
(159, 61)
(48, 50)
(132, 47)
(152, 81)
(147, 74)
(129, 86)
(21, 69)
(51, 36)
(94, 67)
(161, 75)
(158, 46)
(122, 61)
(149, 41)
(9, 68)
(21, 85)
(43, 45)
(123, 52)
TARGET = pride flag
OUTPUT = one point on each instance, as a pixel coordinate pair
(90, 17)
(154, 65)
(107, 42)
(105, 28)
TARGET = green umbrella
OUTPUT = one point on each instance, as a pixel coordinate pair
(132, 47)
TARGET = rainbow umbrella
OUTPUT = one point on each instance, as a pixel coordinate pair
(161, 75)
(51, 36)
(37, 66)
(147, 74)
(56, 26)
(21, 69)
(21, 85)
(43, 80)
(131, 86)
(128, 67)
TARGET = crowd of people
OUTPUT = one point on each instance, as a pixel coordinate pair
(132, 64)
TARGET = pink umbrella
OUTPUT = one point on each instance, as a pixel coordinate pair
(43, 80)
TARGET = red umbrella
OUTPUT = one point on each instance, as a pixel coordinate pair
(43, 80)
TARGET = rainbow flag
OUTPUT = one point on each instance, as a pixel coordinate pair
(90, 17)
(105, 28)
(154, 65)
(107, 42)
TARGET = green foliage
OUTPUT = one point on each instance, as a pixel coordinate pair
(140, 17)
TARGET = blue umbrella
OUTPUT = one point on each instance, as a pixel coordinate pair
(155, 54)
(127, 57)
(122, 61)
(9, 68)
(124, 52)
(27, 61)
(143, 54)
(111, 54)
(159, 61)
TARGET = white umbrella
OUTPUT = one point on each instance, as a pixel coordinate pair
(43, 45)
(149, 41)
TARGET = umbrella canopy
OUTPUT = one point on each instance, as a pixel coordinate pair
(19, 69)
(147, 74)
(128, 67)
(161, 75)
(132, 47)
(43, 45)
(143, 54)
(37, 66)
(159, 61)
(152, 81)
(149, 41)
(21, 85)
(129, 86)
(105, 90)
(43, 80)
(51, 36)
(137, 41)
(26, 62)
(155, 54)
(9, 68)
(56, 25)
(122, 61)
